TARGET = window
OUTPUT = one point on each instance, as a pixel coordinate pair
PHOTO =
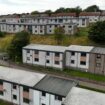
(60, 20)
(36, 52)
(83, 54)
(47, 53)
(35, 31)
(41, 31)
(35, 26)
(28, 58)
(55, 20)
(83, 63)
(28, 51)
(36, 59)
(72, 61)
(50, 26)
(1, 82)
(43, 94)
(47, 61)
(57, 62)
(55, 25)
(1, 93)
(50, 31)
(57, 54)
(41, 27)
(72, 53)
(26, 100)
(58, 98)
(70, 26)
(14, 97)
(98, 64)
(25, 89)
(14, 86)
(63, 26)
(98, 56)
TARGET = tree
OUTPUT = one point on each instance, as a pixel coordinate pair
(60, 10)
(20, 40)
(93, 8)
(34, 12)
(2, 34)
(97, 32)
(59, 34)
(49, 12)
(76, 10)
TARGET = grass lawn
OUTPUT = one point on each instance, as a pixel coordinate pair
(77, 73)
(4, 103)
(67, 73)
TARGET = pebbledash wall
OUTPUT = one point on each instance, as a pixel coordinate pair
(77, 57)
(29, 88)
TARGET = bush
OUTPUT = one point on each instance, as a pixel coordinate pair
(2, 34)
(97, 32)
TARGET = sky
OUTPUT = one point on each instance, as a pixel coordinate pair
(25, 6)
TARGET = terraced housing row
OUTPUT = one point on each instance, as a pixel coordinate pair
(41, 24)
(85, 58)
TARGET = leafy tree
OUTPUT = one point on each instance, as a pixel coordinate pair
(93, 8)
(34, 12)
(76, 10)
(97, 32)
(59, 34)
(20, 40)
(2, 34)
(60, 10)
(49, 12)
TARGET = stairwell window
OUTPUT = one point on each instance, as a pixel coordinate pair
(57, 54)
(14, 86)
(83, 54)
(43, 94)
(73, 53)
(59, 98)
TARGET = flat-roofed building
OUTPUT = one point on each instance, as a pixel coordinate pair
(97, 61)
(44, 55)
(78, 57)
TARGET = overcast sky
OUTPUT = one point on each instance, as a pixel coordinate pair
(19, 6)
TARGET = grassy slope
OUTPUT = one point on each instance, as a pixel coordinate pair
(81, 39)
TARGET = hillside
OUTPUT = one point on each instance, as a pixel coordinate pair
(80, 39)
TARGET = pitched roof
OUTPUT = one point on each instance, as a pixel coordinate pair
(55, 85)
(79, 48)
(89, 14)
(51, 48)
(98, 50)
(20, 76)
(63, 14)
(79, 96)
